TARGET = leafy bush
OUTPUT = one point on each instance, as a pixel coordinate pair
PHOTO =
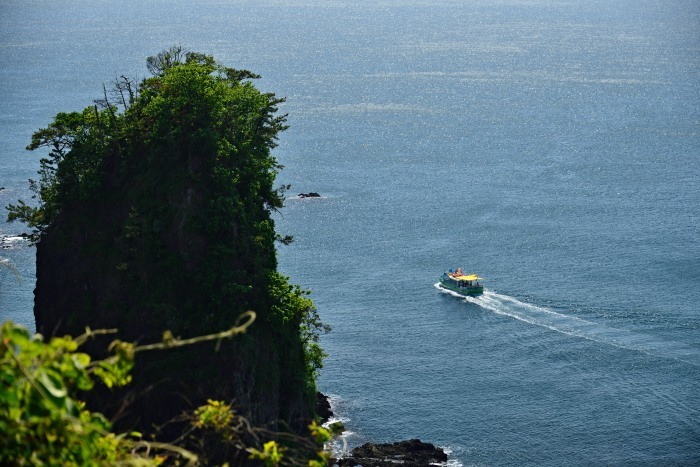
(42, 421)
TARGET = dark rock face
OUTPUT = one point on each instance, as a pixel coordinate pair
(323, 407)
(311, 194)
(412, 453)
(79, 284)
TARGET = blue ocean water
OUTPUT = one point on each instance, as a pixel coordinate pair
(549, 145)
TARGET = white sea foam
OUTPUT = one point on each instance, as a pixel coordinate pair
(12, 239)
(339, 444)
(578, 327)
(450, 461)
(12, 242)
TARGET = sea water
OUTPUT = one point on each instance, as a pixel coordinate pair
(550, 146)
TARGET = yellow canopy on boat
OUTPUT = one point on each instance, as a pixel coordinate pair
(470, 277)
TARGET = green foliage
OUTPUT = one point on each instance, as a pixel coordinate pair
(269, 448)
(271, 454)
(77, 142)
(41, 421)
(116, 371)
(336, 428)
(320, 435)
(215, 415)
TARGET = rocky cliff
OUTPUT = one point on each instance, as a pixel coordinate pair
(156, 216)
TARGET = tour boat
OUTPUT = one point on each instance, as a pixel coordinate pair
(463, 284)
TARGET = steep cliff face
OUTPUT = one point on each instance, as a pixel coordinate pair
(158, 218)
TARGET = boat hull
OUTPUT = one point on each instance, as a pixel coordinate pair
(466, 291)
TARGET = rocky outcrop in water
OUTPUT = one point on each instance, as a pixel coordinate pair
(411, 453)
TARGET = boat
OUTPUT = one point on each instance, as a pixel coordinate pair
(461, 283)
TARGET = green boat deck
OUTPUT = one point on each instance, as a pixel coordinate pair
(463, 284)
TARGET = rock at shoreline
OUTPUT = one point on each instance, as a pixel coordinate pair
(323, 407)
(311, 194)
(412, 453)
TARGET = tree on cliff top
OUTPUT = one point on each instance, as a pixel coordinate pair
(155, 213)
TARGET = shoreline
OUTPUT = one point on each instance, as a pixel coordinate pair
(408, 453)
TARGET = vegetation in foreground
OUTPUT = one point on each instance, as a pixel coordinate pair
(43, 422)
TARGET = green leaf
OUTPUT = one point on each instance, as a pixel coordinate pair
(80, 360)
(53, 387)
